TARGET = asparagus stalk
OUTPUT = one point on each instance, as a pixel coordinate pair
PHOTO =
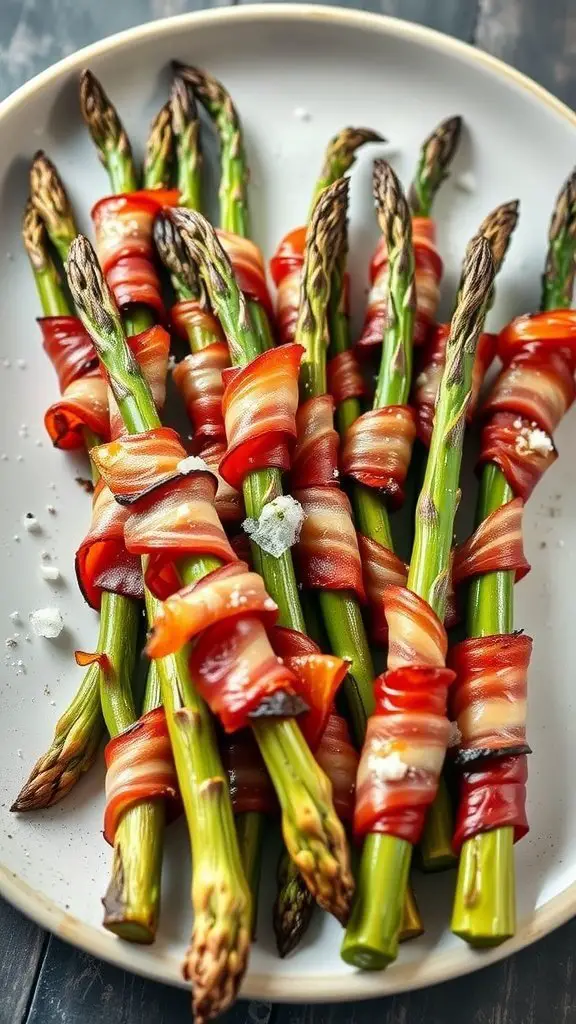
(186, 128)
(233, 192)
(159, 150)
(436, 155)
(484, 912)
(340, 155)
(108, 134)
(436, 847)
(312, 832)
(371, 939)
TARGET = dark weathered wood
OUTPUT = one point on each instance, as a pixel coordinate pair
(536, 36)
(456, 17)
(21, 949)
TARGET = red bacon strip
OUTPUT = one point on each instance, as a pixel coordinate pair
(286, 269)
(124, 243)
(84, 402)
(506, 443)
(138, 464)
(140, 768)
(416, 635)
(428, 273)
(315, 458)
(199, 380)
(327, 552)
(151, 349)
(495, 546)
(430, 362)
(102, 561)
(493, 797)
(403, 752)
(377, 450)
(339, 760)
(555, 329)
(191, 320)
(248, 266)
(228, 502)
(345, 377)
(380, 567)
(259, 405)
(537, 385)
(488, 700)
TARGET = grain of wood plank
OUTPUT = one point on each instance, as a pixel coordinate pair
(536, 36)
(456, 17)
(21, 949)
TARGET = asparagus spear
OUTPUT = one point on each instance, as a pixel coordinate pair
(108, 134)
(436, 155)
(312, 831)
(436, 847)
(159, 150)
(233, 192)
(340, 155)
(371, 940)
(484, 911)
(186, 128)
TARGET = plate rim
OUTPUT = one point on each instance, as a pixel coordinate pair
(164, 968)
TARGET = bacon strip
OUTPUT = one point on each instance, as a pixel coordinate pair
(488, 700)
(428, 274)
(248, 266)
(380, 567)
(151, 349)
(259, 405)
(505, 442)
(345, 377)
(315, 458)
(102, 561)
(416, 635)
(199, 380)
(191, 320)
(228, 502)
(124, 243)
(139, 768)
(403, 752)
(286, 269)
(495, 546)
(537, 385)
(327, 552)
(136, 465)
(555, 329)
(250, 785)
(377, 450)
(494, 797)
(339, 760)
(430, 362)
(84, 402)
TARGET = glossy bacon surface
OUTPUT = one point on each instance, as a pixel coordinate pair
(84, 392)
(102, 561)
(403, 752)
(199, 380)
(138, 464)
(286, 269)
(377, 450)
(505, 442)
(428, 274)
(315, 458)
(140, 767)
(248, 265)
(345, 377)
(327, 552)
(123, 227)
(555, 329)
(338, 758)
(430, 361)
(493, 797)
(259, 406)
(190, 315)
(416, 635)
(495, 546)
(488, 699)
(537, 385)
(151, 349)
(380, 567)
(250, 785)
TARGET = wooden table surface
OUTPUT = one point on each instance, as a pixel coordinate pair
(45, 981)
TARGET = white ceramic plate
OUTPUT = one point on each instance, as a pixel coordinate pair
(343, 67)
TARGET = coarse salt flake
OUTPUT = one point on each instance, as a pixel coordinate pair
(47, 622)
(466, 182)
(539, 441)
(301, 114)
(21, 364)
(10, 642)
(278, 525)
(15, 617)
(391, 768)
(31, 523)
(50, 573)
(193, 464)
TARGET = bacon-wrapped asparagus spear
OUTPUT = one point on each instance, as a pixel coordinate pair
(407, 737)
(151, 461)
(528, 399)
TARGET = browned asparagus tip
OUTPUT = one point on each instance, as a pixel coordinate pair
(101, 117)
(159, 142)
(564, 214)
(218, 954)
(182, 105)
(47, 785)
(498, 228)
(34, 236)
(50, 198)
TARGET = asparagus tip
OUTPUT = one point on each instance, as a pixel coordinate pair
(159, 145)
(34, 237)
(498, 228)
(436, 155)
(563, 218)
(90, 292)
(173, 253)
(316, 841)
(218, 954)
(293, 907)
(50, 197)
(102, 118)
(182, 105)
(391, 204)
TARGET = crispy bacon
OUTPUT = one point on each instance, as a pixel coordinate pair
(345, 377)
(339, 760)
(506, 443)
(416, 635)
(140, 767)
(259, 405)
(195, 324)
(102, 561)
(250, 785)
(84, 401)
(286, 269)
(537, 385)
(236, 670)
(488, 699)
(555, 329)
(380, 567)
(493, 797)
(428, 273)
(403, 752)
(327, 552)
(199, 380)
(430, 361)
(495, 546)
(123, 227)
(315, 458)
(248, 265)
(377, 450)
(138, 464)
(223, 594)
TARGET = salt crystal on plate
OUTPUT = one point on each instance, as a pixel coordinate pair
(15, 617)
(49, 572)
(466, 182)
(31, 523)
(47, 622)
(301, 114)
(278, 525)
